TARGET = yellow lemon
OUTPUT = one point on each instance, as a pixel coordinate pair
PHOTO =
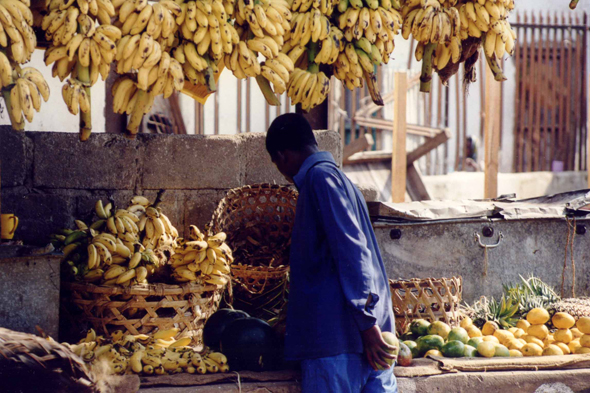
(519, 333)
(583, 325)
(473, 331)
(563, 335)
(487, 349)
(585, 340)
(489, 328)
(503, 335)
(523, 341)
(434, 352)
(552, 350)
(532, 349)
(514, 353)
(573, 345)
(534, 340)
(582, 351)
(466, 322)
(515, 344)
(539, 331)
(564, 348)
(537, 316)
(563, 320)
(576, 332)
(513, 330)
(493, 339)
(548, 340)
(523, 324)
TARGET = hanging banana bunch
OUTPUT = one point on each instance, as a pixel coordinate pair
(369, 30)
(451, 32)
(22, 89)
(80, 49)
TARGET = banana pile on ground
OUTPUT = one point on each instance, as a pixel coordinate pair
(202, 257)
(158, 354)
(22, 89)
(79, 49)
(122, 247)
(450, 32)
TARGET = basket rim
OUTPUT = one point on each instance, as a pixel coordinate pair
(154, 289)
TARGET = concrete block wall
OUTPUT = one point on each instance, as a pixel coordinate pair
(48, 178)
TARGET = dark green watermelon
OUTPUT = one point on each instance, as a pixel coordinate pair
(251, 344)
(217, 323)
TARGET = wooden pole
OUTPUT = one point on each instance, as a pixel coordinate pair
(588, 144)
(398, 159)
(491, 134)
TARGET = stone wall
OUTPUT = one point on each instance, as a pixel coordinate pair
(50, 178)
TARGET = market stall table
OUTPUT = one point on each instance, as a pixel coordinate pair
(552, 373)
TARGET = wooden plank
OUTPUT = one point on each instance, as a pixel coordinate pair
(415, 186)
(552, 101)
(353, 113)
(175, 111)
(239, 108)
(542, 88)
(343, 107)
(398, 162)
(216, 114)
(458, 114)
(528, 164)
(568, 117)
(430, 145)
(492, 135)
(519, 100)
(583, 123)
(464, 102)
(482, 95)
(360, 144)
(248, 106)
(563, 129)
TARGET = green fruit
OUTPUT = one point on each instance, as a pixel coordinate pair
(470, 352)
(413, 347)
(453, 349)
(501, 351)
(419, 327)
(439, 328)
(404, 358)
(408, 336)
(475, 341)
(458, 334)
(426, 343)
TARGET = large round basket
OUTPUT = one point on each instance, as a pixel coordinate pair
(144, 308)
(433, 299)
(258, 221)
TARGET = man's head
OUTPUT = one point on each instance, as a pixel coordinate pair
(289, 141)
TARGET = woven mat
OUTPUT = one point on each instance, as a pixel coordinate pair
(514, 364)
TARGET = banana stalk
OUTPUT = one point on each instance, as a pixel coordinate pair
(426, 77)
(267, 91)
(17, 126)
(85, 118)
(574, 4)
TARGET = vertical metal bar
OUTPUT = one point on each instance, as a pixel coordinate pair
(584, 109)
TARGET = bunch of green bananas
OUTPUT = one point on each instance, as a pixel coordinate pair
(450, 32)
(159, 353)
(119, 248)
(201, 257)
(23, 90)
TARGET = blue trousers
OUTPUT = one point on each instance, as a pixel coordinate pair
(346, 373)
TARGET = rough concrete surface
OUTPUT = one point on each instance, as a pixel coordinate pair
(200, 206)
(105, 161)
(15, 154)
(529, 247)
(29, 294)
(191, 162)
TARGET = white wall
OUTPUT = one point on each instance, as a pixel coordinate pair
(54, 115)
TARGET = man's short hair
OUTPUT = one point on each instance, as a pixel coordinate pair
(290, 131)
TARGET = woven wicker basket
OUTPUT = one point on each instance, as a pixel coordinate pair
(258, 220)
(145, 308)
(433, 299)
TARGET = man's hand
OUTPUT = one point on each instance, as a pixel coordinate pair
(376, 349)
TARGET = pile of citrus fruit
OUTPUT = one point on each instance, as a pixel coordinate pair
(530, 337)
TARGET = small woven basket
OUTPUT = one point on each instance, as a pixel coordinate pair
(433, 299)
(144, 308)
(258, 221)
